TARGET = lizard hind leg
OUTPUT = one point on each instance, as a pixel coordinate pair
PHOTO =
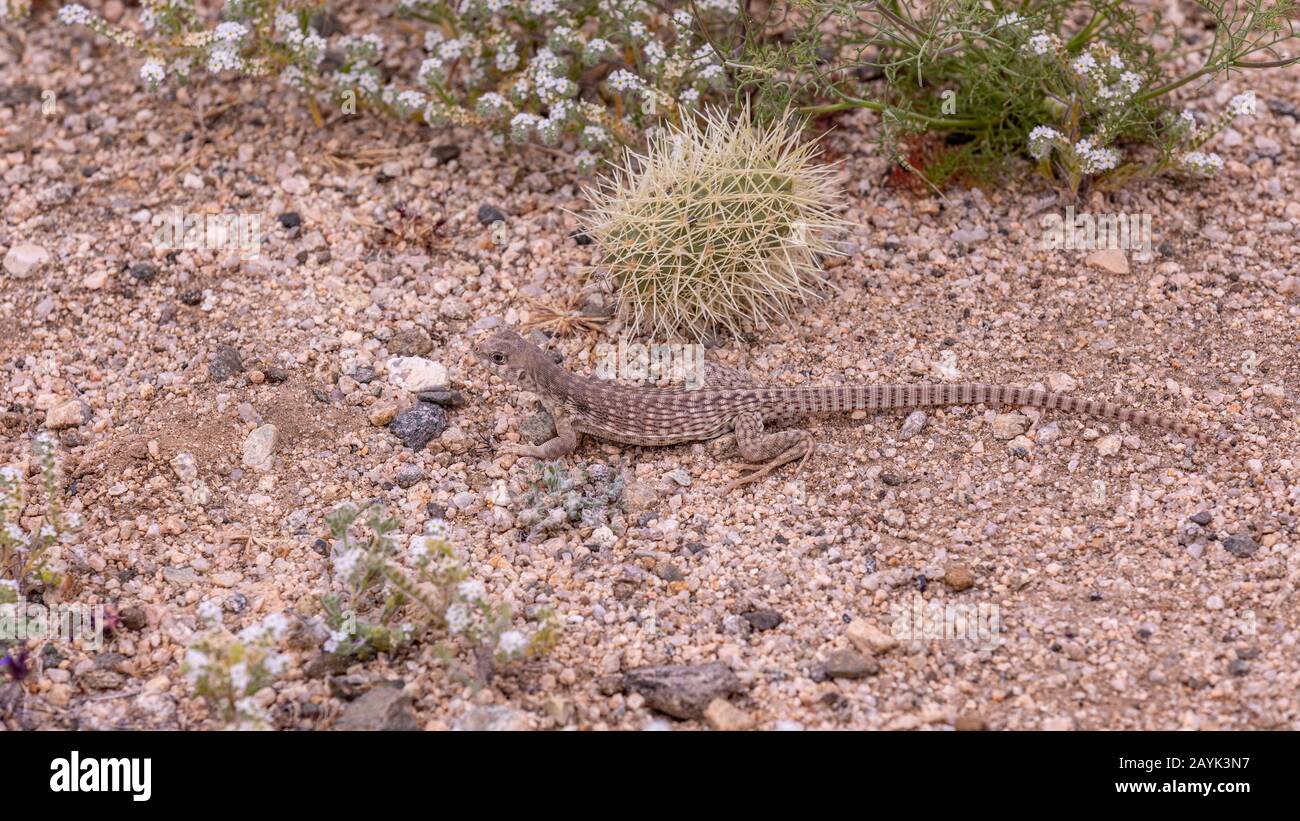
(772, 449)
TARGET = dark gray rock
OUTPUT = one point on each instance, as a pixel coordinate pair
(225, 363)
(383, 708)
(682, 691)
(1202, 517)
(443, 396)
(488, 215)
(419, 425)
(764, 619)
(1240, 545)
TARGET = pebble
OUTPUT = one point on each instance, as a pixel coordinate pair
(958, 577)
(850, 664)
(764, 619)
(22, 260)
(409, 475)
(410, 342)
(492, 719)
(724, 716)
(224, 363)
(1109, 445)
(912, 425)
(488, 215)
(1111, 260)
(682, 691)
(446, 398)
(870, 639)
(259, 446)
(419, 425)
(1009, 425)
(69, 414)
(1241, 545)
(383, 708)
(290, 219)
(416, 374)
(537, 428)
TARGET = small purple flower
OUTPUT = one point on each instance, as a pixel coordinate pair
(15, 664)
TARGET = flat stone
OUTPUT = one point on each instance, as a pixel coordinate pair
(682, 691)
(69, 414)
(1109, 445)
(416, 374)
(492, 719)
(912, 425)
(1111, 260)
(724, 716)
(259, 446)
(22, 260)
(383, 708)
(1241, 545)
(410, 342)
(446, 398)
(870, 639)
(180, 576)
(764, 619)
(1009, 425)
(850, 664)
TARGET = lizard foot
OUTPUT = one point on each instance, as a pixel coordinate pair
(801, 451)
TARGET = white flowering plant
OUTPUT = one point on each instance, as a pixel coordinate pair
(230, 670)
(24, 545)
(420, 588)
(592, 74)
(1082, 88)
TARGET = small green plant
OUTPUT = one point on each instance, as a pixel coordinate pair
(229, 670)
(719, 225)
(559, 497)
(1083, 88)
(426, 582)
(23, 551)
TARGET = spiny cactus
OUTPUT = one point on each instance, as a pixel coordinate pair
(719, 225)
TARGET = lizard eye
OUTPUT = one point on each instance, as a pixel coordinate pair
(499, 358)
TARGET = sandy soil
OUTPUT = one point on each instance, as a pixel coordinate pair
(1116, 609)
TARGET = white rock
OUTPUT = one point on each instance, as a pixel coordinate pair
(68, 414)
(1009, 425)
(1109, 445)
(259, 445)
(1061, 382)
(603, 536)
(1108, 259)
(23, 259)
(415, 374)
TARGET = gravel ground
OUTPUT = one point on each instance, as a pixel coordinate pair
(1138, 581)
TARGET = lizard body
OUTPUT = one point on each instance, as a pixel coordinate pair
(730, 402)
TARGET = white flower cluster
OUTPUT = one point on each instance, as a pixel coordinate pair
(1202, 163)
(1041, 141)
(1040, 44)
(1242, 105)
(1095, 159)
(152, 73)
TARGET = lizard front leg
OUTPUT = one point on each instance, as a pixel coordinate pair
(563, 443)
(773, 448)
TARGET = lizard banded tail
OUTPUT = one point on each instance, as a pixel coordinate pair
(842, 398)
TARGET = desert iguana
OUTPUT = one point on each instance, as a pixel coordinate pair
(728, 401)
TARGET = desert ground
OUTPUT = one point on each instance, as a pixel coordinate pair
(1136, 579)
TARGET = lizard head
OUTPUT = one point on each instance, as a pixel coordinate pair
(515, 359)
